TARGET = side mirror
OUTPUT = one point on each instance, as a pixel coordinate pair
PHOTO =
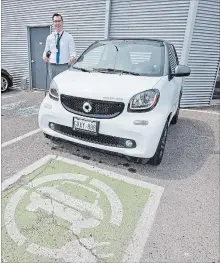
(181, 71)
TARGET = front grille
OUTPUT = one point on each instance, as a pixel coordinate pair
(99, 109)
(98, 139)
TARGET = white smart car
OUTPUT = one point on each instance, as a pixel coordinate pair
(120, 96)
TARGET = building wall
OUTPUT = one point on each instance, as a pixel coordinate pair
(163, 19)
(204, 55)
(84, 19)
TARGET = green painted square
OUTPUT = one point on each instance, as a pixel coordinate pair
(53, 232)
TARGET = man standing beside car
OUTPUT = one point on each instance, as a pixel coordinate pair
(61, 46)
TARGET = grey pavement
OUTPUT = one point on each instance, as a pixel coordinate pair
(186, 226)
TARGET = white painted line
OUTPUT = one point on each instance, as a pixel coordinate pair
(9, 217)
(202, 111)
(143, 228)
(5, 97)
(20, 138)
(26, 171)
(112, 174)
(12, 105)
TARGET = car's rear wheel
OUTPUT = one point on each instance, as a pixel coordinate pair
(158, 156)
(4, 83)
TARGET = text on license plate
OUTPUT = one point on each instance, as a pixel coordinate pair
(86, 125)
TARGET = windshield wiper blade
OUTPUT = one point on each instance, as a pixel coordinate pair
(82, 69)
(127, 72)
(104, 70)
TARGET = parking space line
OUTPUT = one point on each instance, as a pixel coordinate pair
(20, 138)
(5, 97)
(202, 111)
(27, 170)
(12, 105)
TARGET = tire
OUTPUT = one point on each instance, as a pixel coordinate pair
(176, 116)
(158, 156)
(4, 83)
(137, 160)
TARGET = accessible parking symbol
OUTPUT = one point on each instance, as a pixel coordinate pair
(60, 210)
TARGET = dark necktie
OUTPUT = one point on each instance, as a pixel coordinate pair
(58, 49)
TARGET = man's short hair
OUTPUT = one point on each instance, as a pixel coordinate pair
(56, 14)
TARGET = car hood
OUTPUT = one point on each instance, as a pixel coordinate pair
(103, 86)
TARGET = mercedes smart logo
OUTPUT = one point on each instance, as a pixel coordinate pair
(87, 107)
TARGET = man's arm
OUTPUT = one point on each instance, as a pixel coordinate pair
(47, 48)
(72, 49)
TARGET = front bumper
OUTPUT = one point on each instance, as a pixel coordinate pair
(146, 137)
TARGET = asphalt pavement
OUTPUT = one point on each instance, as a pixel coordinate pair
(185, 222)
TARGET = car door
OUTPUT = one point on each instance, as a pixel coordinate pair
(175, 82)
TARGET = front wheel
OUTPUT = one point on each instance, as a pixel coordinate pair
(158, 156)
(176, 116)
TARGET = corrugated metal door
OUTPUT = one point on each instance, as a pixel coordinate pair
(149, 18)
(84, 19)
(203, 56)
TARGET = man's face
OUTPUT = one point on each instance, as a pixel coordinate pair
(57, 23)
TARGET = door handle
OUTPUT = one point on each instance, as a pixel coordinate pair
(32, 61)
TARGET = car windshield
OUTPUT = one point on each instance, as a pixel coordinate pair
(145, 58)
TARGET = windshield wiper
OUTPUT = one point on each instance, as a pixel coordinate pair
(82, 69)
(105, 70)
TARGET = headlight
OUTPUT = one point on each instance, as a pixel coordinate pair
(53, 91)
(144, 101)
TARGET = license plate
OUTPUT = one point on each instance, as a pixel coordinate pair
(85, 125)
